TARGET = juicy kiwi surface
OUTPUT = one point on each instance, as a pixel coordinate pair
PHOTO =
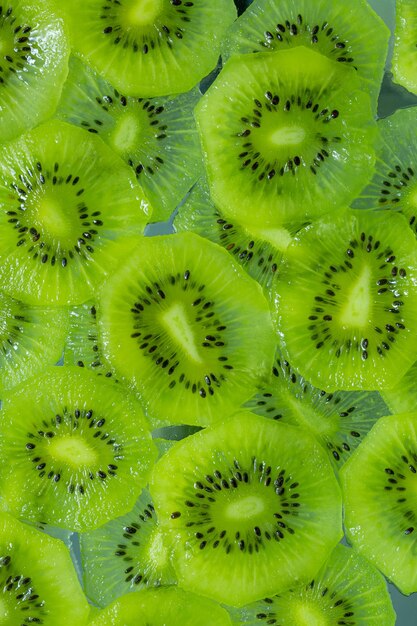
(78, 449)
(150, 47)
(404, 57)
(379, 486)
(286, 136)
(249, 506)
(68, 205)
(346, 299)
(187, 327)
(34, 54)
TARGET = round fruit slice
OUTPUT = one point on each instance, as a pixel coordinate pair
(404, 56)
(286, 136)
(37, 579)
(190, 330)
(379, 485)
(346, 301)
(76, 450)
(250, 506)
(150, 47)
(34, 53)
(68, 205)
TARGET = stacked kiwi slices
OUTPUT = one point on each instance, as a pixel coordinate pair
(216, 425)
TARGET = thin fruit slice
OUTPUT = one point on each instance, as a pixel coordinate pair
(150, 47)
(157, 137)
(76, 449)
(68, 205)
(160, 607)
(347, 590)
(404, 58)
(251, 507)
(380, 485)
(339, 31)
(34, 53)
(126, 554)
(37, 579)
(347, 299)
(402, 398)
(187, 327)
(286, 136)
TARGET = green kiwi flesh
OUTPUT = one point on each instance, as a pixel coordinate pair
(150, 48)
(404, 56)
(346, 300)
(190, 335)
(250, 506)
(402, 398)
(286, 136)
(379, 486)
(77, 449)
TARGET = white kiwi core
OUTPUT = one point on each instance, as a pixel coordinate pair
(74, 451)
(143, 12)
(176, 323)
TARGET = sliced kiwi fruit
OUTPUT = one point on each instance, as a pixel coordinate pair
(402, 398)
(34, 53)
(157, 137)
(37, 579)
(250, 506)
(187, 328)
(379, 486)
(346, 301)
(68, 207)
(340, 32)
(286, 136)
(76, 449)
(348, 590)
(338, 420)
(126, 554)
(159, 607)
(404, 58)
(150, 47)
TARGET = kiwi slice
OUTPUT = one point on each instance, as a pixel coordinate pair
(37, 579)
(159, 607)
(250, 506)
(338, 420)
(150, 47)
(157, 137)
(286, 136)
(187, 327)
(348, 590)
(68, 207)
(402, 398)
(379, 485)
(126, 554)
(346, 301)
(34, 53)
(330, 28)
(404, 58)
(76, 449)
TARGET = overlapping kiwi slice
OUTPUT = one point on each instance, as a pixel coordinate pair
(286, 136)
(34, 52)
(404, 58)
(157, 137)
(379, 484)
(402, 398)
(330, 28)
(37, 579)
(68, 205)
(187, 327)
(76, 449)
(150, 47)
(347, 591)
(250, 506)
(346, 301)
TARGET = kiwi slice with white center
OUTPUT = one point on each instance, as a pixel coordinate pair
(330, 28)
(157, 137)
(347, 591)
(404, 58)
(346, 300)
(379, 485)
(286, 136)
(34, 51)
(150, 47)
(68, 205)
(250, 506)
(187, 327)
(76, 449)
(38, 582)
